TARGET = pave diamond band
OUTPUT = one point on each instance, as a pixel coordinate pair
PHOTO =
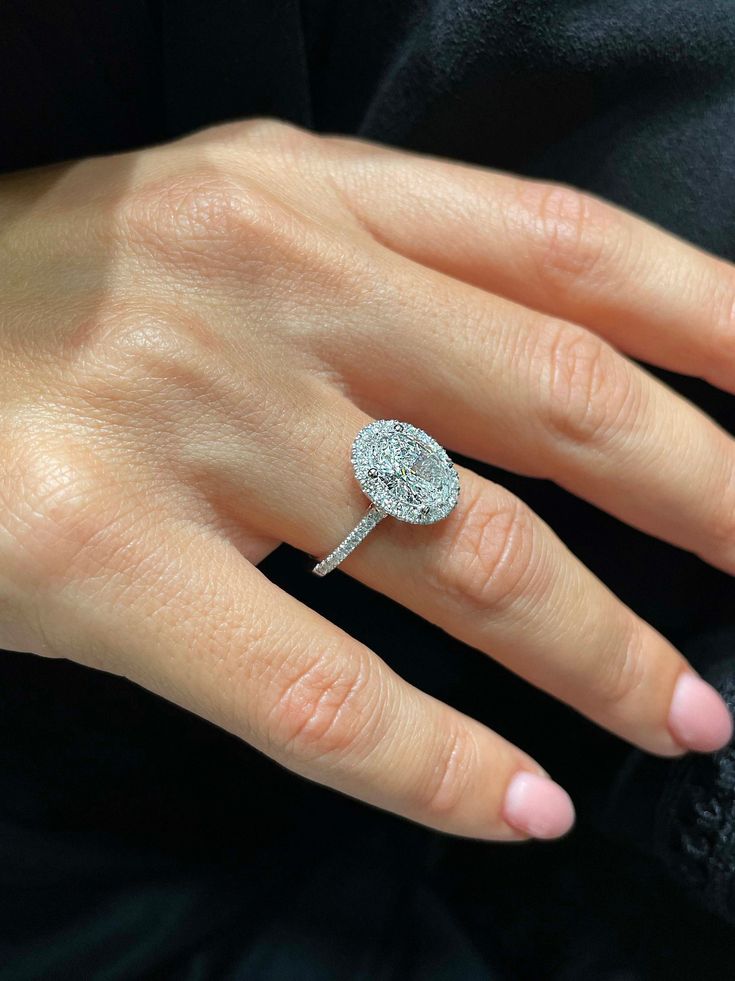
(361, 530)
(405, 473)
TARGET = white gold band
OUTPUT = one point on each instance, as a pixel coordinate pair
(361, 530)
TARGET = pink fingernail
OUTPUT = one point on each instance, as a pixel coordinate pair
(537, 806)
(698, 717)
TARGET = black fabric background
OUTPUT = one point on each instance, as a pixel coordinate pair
(137, 841)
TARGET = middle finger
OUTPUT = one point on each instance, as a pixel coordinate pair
(547, 398)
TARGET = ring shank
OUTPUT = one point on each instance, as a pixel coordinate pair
(361, 530)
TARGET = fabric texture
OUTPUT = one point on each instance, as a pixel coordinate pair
(136, 840)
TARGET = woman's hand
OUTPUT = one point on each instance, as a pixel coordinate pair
(190, 338)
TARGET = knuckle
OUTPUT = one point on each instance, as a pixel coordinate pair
(590, 393)
(492, 552)
(58, 522)
(573, 234)
(322, 709)
(143, 359)
(282, 137)
(264, 131)
(619, 674)
(118, 336)
(205, 219)
(451, 774)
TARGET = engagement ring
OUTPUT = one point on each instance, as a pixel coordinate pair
(405, 473)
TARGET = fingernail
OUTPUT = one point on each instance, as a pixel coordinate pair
(699, 719)
(537, 806)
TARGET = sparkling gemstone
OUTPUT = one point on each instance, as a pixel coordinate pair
(405, 472)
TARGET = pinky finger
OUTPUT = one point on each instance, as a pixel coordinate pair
(218, 638)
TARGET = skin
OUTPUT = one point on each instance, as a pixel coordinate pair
(192, 334)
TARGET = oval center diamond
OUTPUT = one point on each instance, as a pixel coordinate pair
(404, 471)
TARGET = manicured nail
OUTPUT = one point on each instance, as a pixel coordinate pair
(699, 719)
(537, 806)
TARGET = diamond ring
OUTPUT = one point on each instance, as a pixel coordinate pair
(405, 473)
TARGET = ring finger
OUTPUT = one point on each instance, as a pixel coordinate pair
(494, 575)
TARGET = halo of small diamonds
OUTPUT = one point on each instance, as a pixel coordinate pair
(405, 472)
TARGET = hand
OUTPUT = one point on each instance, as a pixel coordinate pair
(190, 338)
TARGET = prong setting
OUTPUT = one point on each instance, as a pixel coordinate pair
(404, 471)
